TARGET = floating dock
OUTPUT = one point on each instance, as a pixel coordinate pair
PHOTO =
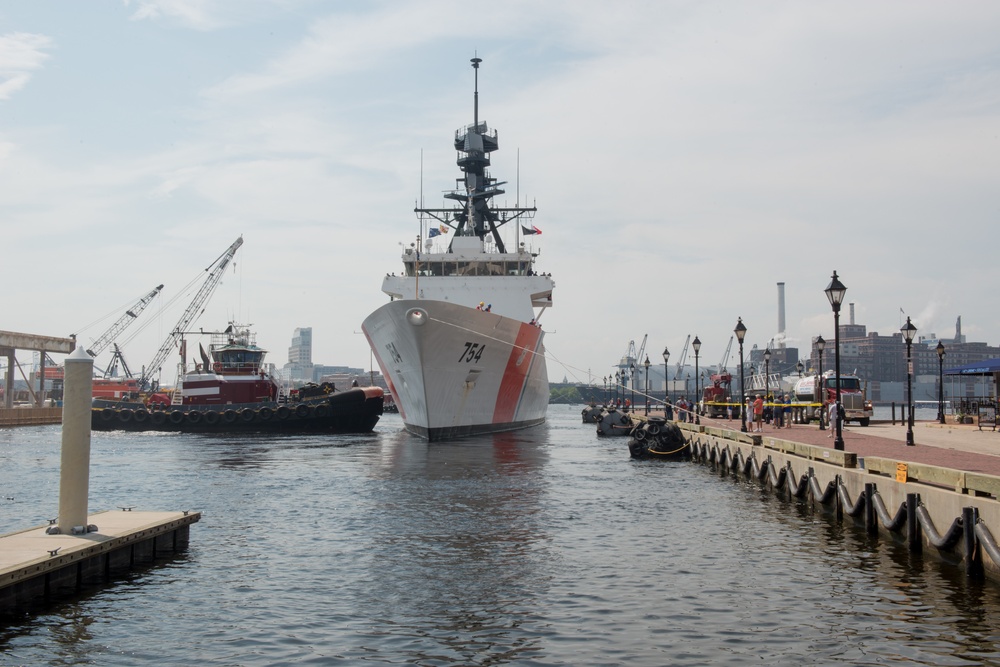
(36, 566)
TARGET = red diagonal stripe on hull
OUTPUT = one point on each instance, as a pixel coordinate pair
(514, 375)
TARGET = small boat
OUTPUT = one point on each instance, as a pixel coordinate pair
(657, 438)
(232, 392)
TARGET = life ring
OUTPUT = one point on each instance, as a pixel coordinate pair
(282, 412)
(140, 415)
(229, 416)
(217, 367)
(124, 415)
(301, 411)
(321, 410)
(211, 417)
(107, 414)
(194, 417)
(265, 414)
(247, 415)
(176, 417)
(157, 417)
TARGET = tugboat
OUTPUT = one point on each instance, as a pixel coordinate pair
(232, 392)
(657, 438)
(459, 342)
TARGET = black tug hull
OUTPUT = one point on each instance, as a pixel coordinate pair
(353, 411)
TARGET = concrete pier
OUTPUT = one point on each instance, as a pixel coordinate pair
(36, 566)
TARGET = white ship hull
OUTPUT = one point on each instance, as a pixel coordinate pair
(457, 371)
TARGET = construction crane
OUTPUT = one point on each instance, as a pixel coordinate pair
(684, 354)
(642, 348)
(215, 269)
(725, 357)
(123, 322)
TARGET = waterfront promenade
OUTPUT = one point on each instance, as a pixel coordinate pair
(957, 446)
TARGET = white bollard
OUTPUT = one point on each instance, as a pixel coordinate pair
(74, 477)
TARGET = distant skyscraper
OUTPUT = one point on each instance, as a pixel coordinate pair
(300, 365)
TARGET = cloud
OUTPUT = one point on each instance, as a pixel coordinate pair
(21, 54)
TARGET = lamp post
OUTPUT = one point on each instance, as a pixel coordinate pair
(618, 379)
(740, 332)
(666, 381)
(646, 366)
(767, 372)
(820, 391)
(835, 292)
(908, 331)
(940, 351)
(605, 378)
(632, 369)
(696, 344)
(799, 367)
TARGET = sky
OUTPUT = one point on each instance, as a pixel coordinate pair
(685, 157)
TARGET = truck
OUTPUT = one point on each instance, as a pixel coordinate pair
(716, 397)
(810, 403)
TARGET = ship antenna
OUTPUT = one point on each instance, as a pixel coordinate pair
(475, 111)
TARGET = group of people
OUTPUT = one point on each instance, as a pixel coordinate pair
(776, 410)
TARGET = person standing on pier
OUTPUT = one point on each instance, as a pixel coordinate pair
(758, 414)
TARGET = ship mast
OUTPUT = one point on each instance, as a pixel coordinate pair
(474, 216)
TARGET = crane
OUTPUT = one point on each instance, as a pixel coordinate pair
(725, 357)
(642, 348)
(684, 354)
(215, 269)
(123, 322)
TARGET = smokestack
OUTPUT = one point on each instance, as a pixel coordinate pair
(852, 313)
(781, 315)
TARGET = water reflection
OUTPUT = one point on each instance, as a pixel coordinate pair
(457, 561)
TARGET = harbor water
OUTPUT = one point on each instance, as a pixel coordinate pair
(547, 546)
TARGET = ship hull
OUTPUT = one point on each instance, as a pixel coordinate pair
(456, 371)
(353, 411)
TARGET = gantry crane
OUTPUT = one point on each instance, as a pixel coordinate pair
(215, 269)
(123, 322)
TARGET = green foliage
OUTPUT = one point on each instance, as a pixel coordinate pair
(565, 395)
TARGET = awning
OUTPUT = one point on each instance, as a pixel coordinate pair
(984, 367)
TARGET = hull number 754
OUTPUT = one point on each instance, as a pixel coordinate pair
(472, 352)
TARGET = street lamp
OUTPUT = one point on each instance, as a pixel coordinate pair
(741, 331)
(908, 331)
(835, 292)
(940, 351)
(646, 366)
(605, 378)
(820, 389)
(666, 380)
(618, 379)
(696, 344)
(632, 369)
(799, 367)
(767, 371)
